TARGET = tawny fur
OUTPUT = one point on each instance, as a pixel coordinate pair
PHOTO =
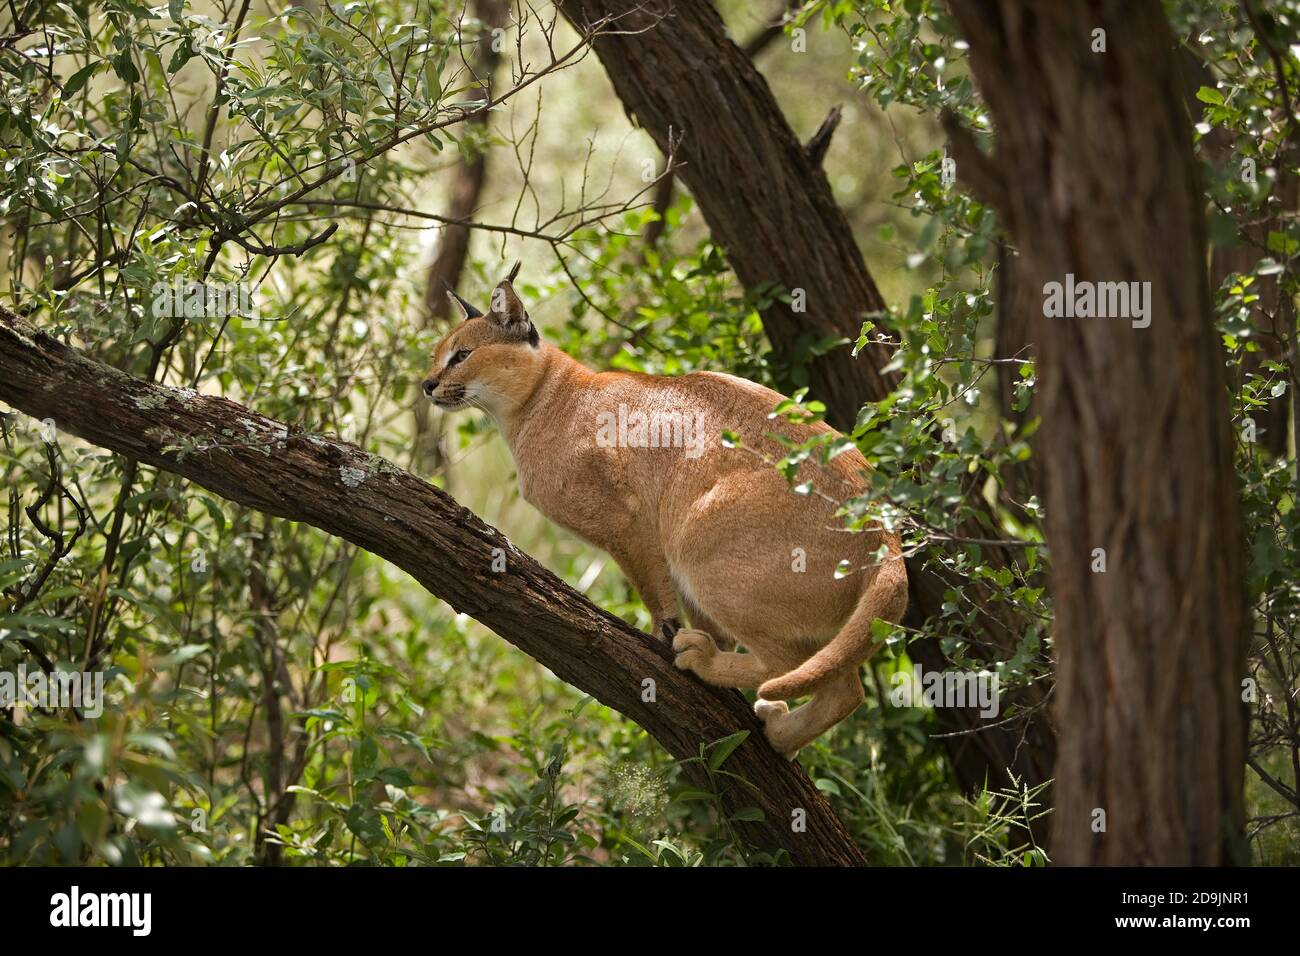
(715, 535)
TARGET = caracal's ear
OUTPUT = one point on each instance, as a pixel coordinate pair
(507, 311)
(460, 306)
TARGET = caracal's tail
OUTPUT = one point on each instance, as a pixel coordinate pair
(885, 597)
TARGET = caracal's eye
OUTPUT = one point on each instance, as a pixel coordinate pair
(460, 356)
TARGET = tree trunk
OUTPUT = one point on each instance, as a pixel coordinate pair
(664, 189)
(769, 205)
(468, 181)
(470, 172)
(336, 487)
(1015, 304)
(765, 201)
(1094, 176)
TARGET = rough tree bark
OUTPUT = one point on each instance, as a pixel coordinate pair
(336, 487)
(665, 188)
(1093, 174)
(769, 205)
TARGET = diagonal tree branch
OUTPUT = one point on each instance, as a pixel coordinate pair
(336, 487)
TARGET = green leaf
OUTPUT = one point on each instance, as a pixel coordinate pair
(80, 79)
(35, 622)
(125, 68)
(722, 749)
(397, 776)
(214, 510)
(1280, 242)
(180, 56)
(687, 795)
(827, 785)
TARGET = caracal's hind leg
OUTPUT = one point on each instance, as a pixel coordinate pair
(697, 652)
(789, 730)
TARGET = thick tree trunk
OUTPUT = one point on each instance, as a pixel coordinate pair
(664, 189)
(768, 204)
(1094, 175)
(336, 487)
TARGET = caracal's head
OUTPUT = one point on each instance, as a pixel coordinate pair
(488, 361)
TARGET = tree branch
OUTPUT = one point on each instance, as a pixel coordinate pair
(336, 487)
(820, 141)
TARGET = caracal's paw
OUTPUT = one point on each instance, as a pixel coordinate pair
(768, 710)
(773, 713)
(694, 650)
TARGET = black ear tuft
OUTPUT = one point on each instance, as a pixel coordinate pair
(469, 310)
(514, 271)
(508, 313)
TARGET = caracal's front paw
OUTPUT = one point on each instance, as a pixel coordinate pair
(694, 649)
(773, 714)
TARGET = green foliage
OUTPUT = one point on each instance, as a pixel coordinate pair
(275, 696)
(1247, 138)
